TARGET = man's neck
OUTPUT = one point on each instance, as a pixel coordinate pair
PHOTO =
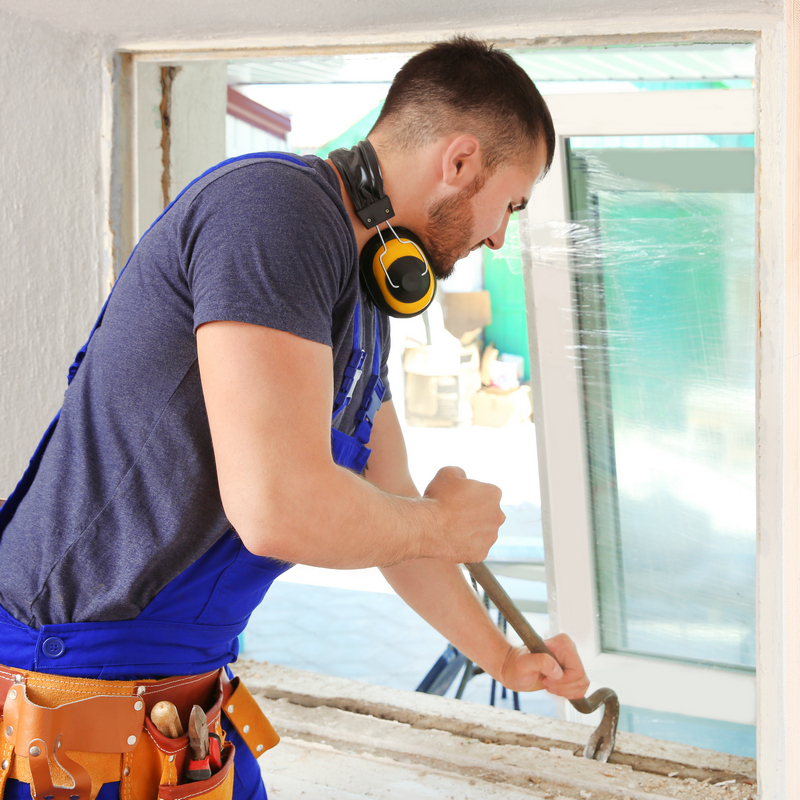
(407, 180)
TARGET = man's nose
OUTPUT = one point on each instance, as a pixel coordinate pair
(495, 241)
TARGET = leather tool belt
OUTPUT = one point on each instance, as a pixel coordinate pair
(68, 736)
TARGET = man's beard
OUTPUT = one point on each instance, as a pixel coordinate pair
(448, 233)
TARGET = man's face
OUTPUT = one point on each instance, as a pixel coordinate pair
(448, 233)
(477, 215)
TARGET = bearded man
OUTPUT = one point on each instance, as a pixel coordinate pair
(215, 432)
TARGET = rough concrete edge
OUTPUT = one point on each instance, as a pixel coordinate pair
(557, 773)
(478, 721)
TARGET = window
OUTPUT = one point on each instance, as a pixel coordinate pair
(641, 288)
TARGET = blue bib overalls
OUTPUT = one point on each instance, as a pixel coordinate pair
(193, 624)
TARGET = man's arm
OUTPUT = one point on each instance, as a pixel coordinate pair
(438, 592)
(269, 396)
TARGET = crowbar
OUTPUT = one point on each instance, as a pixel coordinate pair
(601, 742)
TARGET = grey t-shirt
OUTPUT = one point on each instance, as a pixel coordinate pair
(126, 496)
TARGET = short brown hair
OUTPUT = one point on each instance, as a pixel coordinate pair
(465, 84)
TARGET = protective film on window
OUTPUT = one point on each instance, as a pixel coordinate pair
(661, 249)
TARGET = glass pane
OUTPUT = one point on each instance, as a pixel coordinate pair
(665, 302)
(710, 734)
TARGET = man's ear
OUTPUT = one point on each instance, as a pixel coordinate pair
(462, 161)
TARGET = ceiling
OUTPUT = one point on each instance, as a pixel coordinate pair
(192, 24)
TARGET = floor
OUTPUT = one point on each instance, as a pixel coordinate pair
(350, 624)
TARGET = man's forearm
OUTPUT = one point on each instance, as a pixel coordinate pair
(334, 518)
(268, 395)
(439, 593)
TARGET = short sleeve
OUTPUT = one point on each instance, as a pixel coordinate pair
(268, 243)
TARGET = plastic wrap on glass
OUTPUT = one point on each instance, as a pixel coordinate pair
(661, 255)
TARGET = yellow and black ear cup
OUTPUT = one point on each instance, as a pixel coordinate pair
(396, 273)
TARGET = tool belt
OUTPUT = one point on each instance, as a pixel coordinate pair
(68, 736)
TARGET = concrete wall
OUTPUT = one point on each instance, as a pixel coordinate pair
(148, 25)
(345, 740)
(51, 221)
(194, 141)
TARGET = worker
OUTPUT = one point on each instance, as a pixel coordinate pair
(231, 416)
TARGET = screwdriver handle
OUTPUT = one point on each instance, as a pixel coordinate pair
(165, 717)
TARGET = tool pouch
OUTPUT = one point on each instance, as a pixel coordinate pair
(61, 751)
(69, 736)
(161, 761)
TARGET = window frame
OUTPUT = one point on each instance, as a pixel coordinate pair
(643, 682)
(775, 32)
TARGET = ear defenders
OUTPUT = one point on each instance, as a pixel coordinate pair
(394, 266)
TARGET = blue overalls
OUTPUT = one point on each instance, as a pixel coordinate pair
(193, 624)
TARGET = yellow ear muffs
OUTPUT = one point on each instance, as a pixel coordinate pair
(396, 273)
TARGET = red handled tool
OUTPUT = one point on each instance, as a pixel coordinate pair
(214, 752)
(199, 767)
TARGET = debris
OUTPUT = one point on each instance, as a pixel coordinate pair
(562, 752)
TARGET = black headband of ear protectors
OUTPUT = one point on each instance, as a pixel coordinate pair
(393, 264)
(361, 175)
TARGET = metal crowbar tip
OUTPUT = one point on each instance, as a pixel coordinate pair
(601, 742)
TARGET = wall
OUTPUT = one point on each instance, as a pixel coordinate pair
(148, 25)
(195, 103)
(51, 230)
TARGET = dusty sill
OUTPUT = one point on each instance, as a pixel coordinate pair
(343, 739)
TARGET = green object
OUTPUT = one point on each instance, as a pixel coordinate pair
(502, 277)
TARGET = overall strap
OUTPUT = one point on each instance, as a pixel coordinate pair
(373, 394)
(351, 451)
(353, 370)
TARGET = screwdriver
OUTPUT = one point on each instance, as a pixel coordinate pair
(165, 717)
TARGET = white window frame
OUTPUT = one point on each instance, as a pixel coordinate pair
(648, 683)
(775, 30)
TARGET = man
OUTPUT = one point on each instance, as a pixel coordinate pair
(207, 441)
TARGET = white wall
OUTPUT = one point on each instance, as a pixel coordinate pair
(51, 222)
(56, 90)
(197, 110)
